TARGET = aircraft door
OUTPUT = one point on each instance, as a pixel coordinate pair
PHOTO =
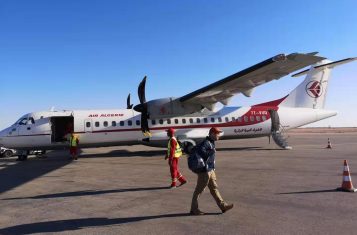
(25, 127)
(88, 125)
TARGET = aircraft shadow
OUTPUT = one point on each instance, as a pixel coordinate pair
(313, 191)
(15, 173)
(76, 224)
(88, 193)
(247, 148)
(125, 153)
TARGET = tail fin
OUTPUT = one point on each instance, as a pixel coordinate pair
(311, 93)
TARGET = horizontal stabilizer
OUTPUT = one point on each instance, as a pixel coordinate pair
(328, 65)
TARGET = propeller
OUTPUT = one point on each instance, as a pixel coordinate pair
(128, 105)
(143, 109)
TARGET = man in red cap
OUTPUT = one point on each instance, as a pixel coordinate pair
(207, 150)
(174, 152)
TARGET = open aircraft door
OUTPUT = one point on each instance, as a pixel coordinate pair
(61, 126)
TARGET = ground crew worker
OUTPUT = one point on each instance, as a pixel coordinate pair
(207, 151)
(174, 152)
(73, 146)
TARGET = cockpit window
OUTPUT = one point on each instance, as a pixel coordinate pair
(31, 120)
(22, 121)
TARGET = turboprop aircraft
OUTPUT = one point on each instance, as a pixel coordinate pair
(191, 115)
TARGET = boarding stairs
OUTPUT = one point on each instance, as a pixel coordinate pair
(280, 138)
(278, 131)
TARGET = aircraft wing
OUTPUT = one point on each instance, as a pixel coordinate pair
(246, 80)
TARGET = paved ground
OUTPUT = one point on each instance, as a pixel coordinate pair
(123, 190)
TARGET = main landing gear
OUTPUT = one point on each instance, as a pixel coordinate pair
(22, 156)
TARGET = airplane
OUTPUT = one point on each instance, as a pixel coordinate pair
(192, 115)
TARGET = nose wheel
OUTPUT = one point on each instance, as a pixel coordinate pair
(22, 158)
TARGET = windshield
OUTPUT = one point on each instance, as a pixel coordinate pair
(22, 120)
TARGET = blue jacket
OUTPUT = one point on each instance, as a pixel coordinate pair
(207, 150)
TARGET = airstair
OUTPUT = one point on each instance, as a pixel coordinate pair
(278, 131)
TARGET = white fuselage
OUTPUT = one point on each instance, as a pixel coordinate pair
(99, 128)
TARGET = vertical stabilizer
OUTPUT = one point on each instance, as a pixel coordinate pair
(311, 93)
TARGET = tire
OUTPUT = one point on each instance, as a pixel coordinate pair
(22, 158)
(7, 153)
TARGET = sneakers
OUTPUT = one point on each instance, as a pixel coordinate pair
(196, 212)
(182, 183)
(226, 207)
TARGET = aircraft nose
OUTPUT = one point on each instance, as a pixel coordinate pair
(2, 135)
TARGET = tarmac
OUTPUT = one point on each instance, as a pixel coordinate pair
(124, 190)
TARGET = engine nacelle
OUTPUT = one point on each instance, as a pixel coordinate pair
(170, 107)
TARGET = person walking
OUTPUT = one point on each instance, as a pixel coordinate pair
(174, 152)
(207, 177)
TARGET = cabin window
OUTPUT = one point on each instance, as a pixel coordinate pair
(121, 123)
(137, 122)
(153, 122)
(130, 123)
(168, 121)
(96, 124)
(239, 119)
(245, 119)
(205, 120)
(176, 121)
(191, 120)
(212, 120)
(161, 121)
(41, 117)
(252, 118)
(198, 120)
(219, 119)
(233, 119)
(264, 118)
(87, 124)
(105, 124)
(227, 119)
(258, 118)
(114, 123)
(184, 121)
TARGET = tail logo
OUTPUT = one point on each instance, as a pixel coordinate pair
(314, 89)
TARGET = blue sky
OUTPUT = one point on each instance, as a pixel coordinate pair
(91, 54)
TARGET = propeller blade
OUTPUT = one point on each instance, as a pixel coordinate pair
(128, 105)
(143, 109)
(144, 122)
(139, 108)
(141, 91)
